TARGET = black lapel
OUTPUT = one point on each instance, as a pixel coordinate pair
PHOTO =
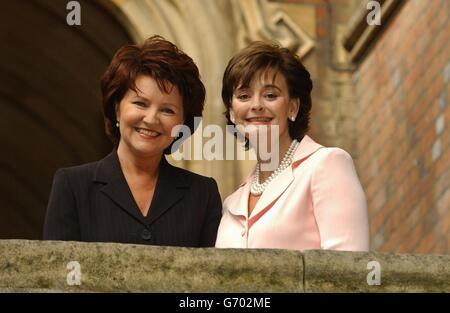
(116, 188)
(170, 189)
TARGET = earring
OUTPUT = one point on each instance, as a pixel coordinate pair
(232, 119)
(117, 124)
(292, 118)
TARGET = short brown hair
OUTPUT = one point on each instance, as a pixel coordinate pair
(165, 63)
(259, 57)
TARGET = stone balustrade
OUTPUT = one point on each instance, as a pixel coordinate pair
(54, 266)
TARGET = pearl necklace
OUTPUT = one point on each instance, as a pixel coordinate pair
(257, 188)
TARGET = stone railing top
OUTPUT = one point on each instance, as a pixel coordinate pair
(48, 266)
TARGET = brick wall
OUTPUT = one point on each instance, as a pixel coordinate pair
(402, 91)
(333, 114)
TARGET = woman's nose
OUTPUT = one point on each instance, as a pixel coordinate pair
(151, 117)
(256, 104)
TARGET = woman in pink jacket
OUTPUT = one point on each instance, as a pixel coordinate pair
(312, 198)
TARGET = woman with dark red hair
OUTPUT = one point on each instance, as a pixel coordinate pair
(134, 195)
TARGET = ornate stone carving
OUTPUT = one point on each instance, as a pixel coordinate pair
(259, 20)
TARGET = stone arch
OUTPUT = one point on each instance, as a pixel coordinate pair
(49, 101)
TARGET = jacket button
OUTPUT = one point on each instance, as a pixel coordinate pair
(146, 234)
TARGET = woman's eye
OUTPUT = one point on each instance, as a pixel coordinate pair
(139, 103)
(271, 96)
(243, 97)
(167, 110)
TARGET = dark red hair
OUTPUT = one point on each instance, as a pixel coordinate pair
(165, 63)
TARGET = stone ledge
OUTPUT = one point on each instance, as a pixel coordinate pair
(41, 266)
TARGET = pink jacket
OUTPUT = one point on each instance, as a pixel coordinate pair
(316, 203)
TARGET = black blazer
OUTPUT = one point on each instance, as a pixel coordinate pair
(92, 202)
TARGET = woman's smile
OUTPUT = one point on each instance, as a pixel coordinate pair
(147, 133)
(259, 120)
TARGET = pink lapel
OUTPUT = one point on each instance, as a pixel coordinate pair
(237, 203)
(306, 147)
(277, 186)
